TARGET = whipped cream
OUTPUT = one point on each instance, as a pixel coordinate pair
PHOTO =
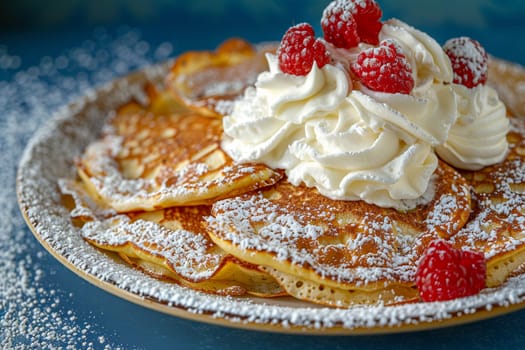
(430, 64)
(478, 138)
(274, 114)
(345, 143)
(352, 143)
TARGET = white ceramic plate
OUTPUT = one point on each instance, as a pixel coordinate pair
(49, 156)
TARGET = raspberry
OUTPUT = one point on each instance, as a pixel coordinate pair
(446, 273)
(299, 49)
(469, 61)
(346, 23)
(384, 69)
(339, 26)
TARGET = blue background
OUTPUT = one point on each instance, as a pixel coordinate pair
(34, 33)
(59, 24)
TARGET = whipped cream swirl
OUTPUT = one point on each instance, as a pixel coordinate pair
(352, 143)
(479, 136)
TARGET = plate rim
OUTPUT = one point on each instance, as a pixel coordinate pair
(182, 312)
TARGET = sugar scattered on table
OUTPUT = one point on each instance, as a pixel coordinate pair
(32, 312)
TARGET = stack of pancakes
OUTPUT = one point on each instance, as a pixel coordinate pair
(157, 189)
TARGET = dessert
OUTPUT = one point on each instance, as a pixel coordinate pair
(170, 244)
(353, 252)
(147, 161)
(326, 169)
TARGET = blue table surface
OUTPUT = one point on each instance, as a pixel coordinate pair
(45, 305)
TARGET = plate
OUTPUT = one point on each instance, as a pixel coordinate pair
(49, 156)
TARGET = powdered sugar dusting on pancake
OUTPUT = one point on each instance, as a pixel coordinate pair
(148, 161)
(342, 243)
(64, 138)
(497, 225)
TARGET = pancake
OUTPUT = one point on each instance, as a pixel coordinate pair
(508, 79)
(148, 160)
(345, 247)
(171, 244)
(208, 81)
(164, 196)
(497, 223)
(234, 278)
(83, 207)
(319, 293)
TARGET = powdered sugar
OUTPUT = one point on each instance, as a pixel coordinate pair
(346, 8)
(65, 137)
(446, 206)
(186, 252)
(469, 61)
(34, 311)
(336, 240)
(498, 223)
